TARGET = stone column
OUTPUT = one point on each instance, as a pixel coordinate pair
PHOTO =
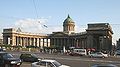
(63, 42)
(89, 41)
(51, 41)
(34, 41)
(78, 42)
(57, 42)
(43, 42)
(73, 40)
(30, 41)
(37, 42)
(47, 42)
(13, 40)
(27, 41)
(54, 41)
(17, 38)
(68, 43)
(21, 41)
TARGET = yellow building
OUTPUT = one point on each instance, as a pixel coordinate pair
(1, 41)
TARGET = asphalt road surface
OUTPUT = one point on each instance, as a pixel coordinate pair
(73, 61)
(78, 63)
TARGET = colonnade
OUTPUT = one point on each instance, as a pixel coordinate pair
(68, 42)
(27, 41)
(59, 42)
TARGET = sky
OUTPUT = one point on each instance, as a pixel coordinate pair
(34, 15)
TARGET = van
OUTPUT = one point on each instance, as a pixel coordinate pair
(80, 51)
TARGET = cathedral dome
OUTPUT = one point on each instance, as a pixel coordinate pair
(68, 25)
(68, 20)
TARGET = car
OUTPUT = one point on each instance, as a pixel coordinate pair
(8, 60)
(28, 57)
(98, 55)
(47, 63)
(78, 52)
(74, 54)
(2, 49)
(104, 65)
(117, 53)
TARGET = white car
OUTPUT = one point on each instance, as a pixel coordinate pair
(47, 63)
(98, 55)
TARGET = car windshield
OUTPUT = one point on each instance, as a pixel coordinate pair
(98, 53)
(8, 55)
(57, 64)
(34, 55)
(1, 49)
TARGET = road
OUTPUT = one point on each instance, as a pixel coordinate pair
(73, 61)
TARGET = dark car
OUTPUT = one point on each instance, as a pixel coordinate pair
(7, 60)
(29, 57)
(104, 65)
(2, 49)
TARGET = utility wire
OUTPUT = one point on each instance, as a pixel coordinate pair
(35, 9)
(37, 14)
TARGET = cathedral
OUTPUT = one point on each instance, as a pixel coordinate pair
(97, 36)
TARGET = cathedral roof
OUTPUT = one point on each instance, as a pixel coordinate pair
(68, 20)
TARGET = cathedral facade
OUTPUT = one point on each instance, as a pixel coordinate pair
(97, 36)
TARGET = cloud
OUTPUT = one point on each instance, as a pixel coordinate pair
(42, 26)
(81, 28)
(55, 29)
(31, 25)
(36, 25)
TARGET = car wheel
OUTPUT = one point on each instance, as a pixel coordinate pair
(22, 60)
(91, 56)
(103, 57)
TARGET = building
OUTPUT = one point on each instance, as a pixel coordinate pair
(97, 36)
(118, 45)
(18, 38)
(1, 41)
